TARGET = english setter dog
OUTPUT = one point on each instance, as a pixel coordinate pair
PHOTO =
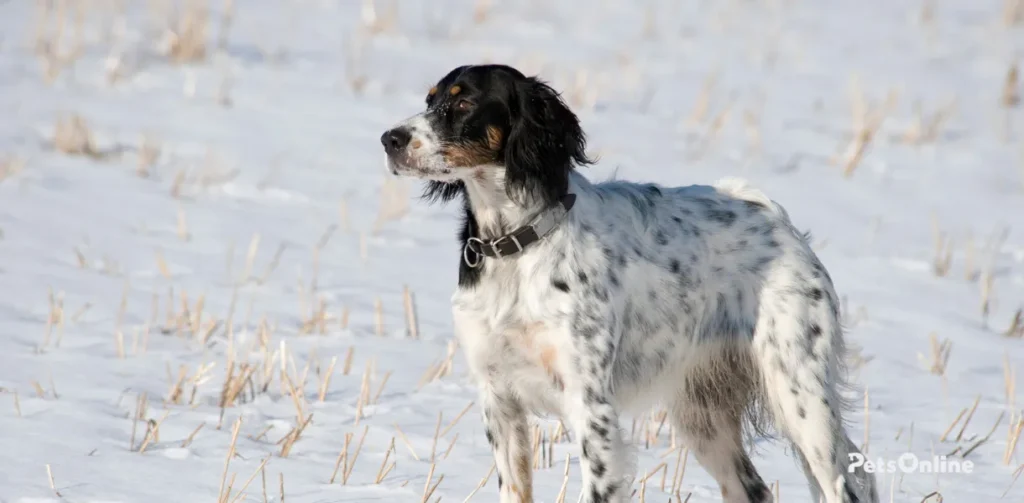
(587, 300)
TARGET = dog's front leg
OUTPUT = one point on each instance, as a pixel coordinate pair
(507, 431)
(594, 416)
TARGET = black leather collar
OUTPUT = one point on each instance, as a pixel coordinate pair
(517, 240)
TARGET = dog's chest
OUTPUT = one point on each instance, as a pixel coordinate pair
(531, 359)
(515, 336)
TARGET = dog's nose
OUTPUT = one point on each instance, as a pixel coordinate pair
(395, 140)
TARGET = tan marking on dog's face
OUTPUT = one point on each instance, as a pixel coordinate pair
(469, 155)
(416, 144)
(476, 153)
(494, 138)
(455, 90)
(432, 91)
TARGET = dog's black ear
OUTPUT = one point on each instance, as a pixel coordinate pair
(544, 144)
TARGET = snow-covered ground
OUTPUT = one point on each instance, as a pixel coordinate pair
(227, 250)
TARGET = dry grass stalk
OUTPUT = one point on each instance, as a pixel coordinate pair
(680, 470)
(54, 316)
(50, 47)
(347, 368)
(342, 457)
(481, 9)
(374, 23)
(17, 404)
(411, 322)
(259, 470)
(149, 152)
(11, 166)
(49, 477)
(986, 296)
(293, 436)
(152, 432)
(951, 425)
(457, 418)
(140, 411)
(72, 136)
(1015, 432)
(985, 438)
(483, 481)
(191, 436)
(325, 384)
(161, 265)
(867, 121)
(1016, 325)
(428, 490)
(926, 130)
(971, 272)
(355, 456)
(177, 389)
(262, 433)
(1011, 94)
(250, 257)
(565, 482)
(408, 444)
(940, 353)
(943, 250)
(437, 431)
(182, 226)
(1013, 12)
(378, 316)
(451, 445)
(40, 392)
(186, 36)
(272, 266)
(364, 393)
(343, 320)
(1016, 475)
(222, 496)
(297, 397)
(381, 473)
(967, 421)
(235, 384)
(380, 388)
(280, 477)
(178, 184)
(429, 375)
(700, 109)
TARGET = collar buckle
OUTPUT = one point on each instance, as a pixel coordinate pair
(496, 245)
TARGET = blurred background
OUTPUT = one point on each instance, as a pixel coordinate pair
(210, 287)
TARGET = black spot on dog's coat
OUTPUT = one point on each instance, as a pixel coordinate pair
(561, 285)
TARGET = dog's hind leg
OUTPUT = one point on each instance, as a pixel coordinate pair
(798, 346)
(716, 441)
(709, 412)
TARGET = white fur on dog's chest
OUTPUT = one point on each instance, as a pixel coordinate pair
(519, 344)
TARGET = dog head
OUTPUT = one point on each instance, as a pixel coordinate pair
(489, 121)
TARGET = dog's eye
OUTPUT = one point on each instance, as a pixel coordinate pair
(464, 105)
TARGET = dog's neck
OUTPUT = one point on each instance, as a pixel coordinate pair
(493, 210)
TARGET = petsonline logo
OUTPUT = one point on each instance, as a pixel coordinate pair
(910, 463)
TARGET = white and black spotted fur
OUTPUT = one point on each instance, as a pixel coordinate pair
(704, 299)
